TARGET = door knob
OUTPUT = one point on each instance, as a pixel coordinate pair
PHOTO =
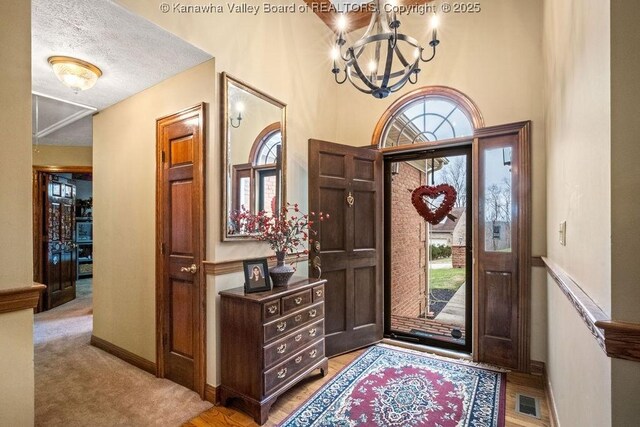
(191, 269)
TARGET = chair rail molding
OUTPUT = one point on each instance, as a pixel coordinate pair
(227, 267)
(20, 298)
(617, 339)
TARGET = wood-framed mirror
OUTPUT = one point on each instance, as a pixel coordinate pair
(253, 154)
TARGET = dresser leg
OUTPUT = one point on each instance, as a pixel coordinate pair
(260, 411)
(324, 368)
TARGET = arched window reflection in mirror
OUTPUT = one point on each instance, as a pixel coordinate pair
(254, 154)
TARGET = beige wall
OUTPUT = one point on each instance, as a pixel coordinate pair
(284, 56)
(578, 111)
(495, 58)
(625, 208)
(16, 329)
(506, 83)
(58, 155)
(124, 141)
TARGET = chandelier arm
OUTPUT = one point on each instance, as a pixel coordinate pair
(433, 54)
(412, 81)
(335, 76)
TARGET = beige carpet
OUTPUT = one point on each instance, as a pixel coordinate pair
(80, 385)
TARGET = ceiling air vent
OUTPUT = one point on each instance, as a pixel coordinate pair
(527, 405)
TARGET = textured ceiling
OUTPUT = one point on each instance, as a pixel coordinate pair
(132, 53)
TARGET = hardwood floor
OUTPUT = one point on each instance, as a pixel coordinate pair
(516, 383)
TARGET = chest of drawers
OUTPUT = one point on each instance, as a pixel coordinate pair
(270, 341)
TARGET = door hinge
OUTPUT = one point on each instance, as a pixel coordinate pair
(163, 249)
(163, 157)
(165, 340)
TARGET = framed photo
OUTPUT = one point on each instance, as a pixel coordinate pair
(256, 275)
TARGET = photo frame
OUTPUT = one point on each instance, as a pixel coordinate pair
(256, 275)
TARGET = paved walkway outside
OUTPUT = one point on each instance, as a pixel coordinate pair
(453, 313)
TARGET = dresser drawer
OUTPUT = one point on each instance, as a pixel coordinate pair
(318, 293)
(293, 302)
(292, 343)
(271, 309)
(281, 374)
(280, 327)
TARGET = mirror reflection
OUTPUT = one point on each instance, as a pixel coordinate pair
(254, 131)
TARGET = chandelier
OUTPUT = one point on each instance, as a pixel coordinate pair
(383, 60)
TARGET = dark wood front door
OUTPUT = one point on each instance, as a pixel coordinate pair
(502, 244)
(58, 240)
(181, 233)
(346, 183)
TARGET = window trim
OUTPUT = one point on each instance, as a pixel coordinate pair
(463, 101)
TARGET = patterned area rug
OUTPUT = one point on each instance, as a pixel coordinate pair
(388, 386)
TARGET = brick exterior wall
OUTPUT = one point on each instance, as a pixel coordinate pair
(408, 235)
(458, 256)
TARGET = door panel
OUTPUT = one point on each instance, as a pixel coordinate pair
(58, 241)
(180, 232)
(502, 243)
(346, 183)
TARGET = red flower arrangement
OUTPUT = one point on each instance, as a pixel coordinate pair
(286, 232)
(421, 193)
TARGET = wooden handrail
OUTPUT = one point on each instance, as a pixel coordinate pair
(20, 298)
(618, 339)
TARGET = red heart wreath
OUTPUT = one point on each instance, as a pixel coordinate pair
(419, 195)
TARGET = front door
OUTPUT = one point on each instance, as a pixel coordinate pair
(346, 183)
(58, 240)
(428, 289)
(181, 236)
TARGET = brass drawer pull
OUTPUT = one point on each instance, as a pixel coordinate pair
(281, 326)
(313, 353)
(298, 300)
(312, 332)
(298, 318)
(282, 373)
(282, 348)
(298, 337)
(272, 309)
(312, 313)
(319, 293)
(298, 359)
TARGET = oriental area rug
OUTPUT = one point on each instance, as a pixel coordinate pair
(389, 386)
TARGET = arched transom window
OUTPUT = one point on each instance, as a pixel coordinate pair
(426, 115)
(267, 152)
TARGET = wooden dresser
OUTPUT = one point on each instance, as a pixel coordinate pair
(270, 341)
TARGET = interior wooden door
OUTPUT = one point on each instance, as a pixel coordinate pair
(347, 183)
(502, 245)
(181, 233)
(58, 240)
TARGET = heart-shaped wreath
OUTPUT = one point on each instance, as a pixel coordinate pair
(420, 196)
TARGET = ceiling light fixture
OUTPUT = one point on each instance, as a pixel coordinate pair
(380, 47)
(75, 73)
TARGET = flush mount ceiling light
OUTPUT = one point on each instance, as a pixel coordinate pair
(383, 60)
(75, 73)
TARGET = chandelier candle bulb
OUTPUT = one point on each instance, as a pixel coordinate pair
(435, 21)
